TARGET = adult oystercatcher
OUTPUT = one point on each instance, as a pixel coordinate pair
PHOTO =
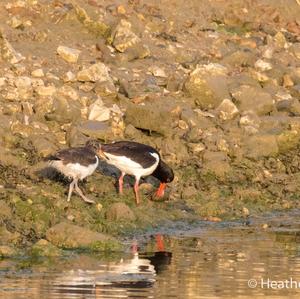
(139, 160)
(76, 163)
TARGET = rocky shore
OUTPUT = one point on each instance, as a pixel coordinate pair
(214, 86)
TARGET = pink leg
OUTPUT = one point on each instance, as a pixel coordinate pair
(121, 183)
(136, 190)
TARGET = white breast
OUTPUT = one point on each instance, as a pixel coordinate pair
(75, 170)
(131, 167)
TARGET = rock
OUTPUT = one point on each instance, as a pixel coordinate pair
(7, 251)
(105, 89)
(45, 248)
(250, 118)
(262, 65)
(23, 82)
(149, 117)
(123, 37)
(95, 129)
(44, 144)
(137, 51)
(216, 163)
(74, 137)
(15, 23)
(227, 110)
(7, 52)
(208, 85)
(291, 106)
(196, 148)
(267, 52)
(239, 58)
(96, 27)
(69, 77)
(66, 235)
(279, 40)
(295, 49)
(68, 92)
(287, 81)
(68, 54)
(38, 73)
(97, 111)
(288, 139)
(120, 211)
(134, 134)
(182, 125)
(262, 145)
(174, 148)
(45, 91)
(96, 72)
(5, 210)
(253, 98)
(157, 71)
(64, 110)
(7, 237)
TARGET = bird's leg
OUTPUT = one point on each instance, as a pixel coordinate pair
(71, 190)
(136, 190)
(81, 194)
(121, 183)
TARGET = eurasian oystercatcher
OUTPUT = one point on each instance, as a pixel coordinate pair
(76, 163)
(139, 160)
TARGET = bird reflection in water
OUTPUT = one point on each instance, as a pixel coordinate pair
(129, 274)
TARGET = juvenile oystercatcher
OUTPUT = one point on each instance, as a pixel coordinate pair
(139, 160)
(76, 163)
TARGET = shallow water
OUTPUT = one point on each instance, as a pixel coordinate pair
(209, 261)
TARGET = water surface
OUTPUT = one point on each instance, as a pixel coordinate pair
(209, 261)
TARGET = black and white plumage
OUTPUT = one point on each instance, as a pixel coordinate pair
(139, 160)
(76, 163)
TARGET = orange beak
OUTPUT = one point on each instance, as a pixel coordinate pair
(161, 190)
(160, 243)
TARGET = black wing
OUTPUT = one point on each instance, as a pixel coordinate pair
(138, 152)
(81, 155)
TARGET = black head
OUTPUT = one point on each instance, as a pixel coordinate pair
(93, 145)
(164, 172)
